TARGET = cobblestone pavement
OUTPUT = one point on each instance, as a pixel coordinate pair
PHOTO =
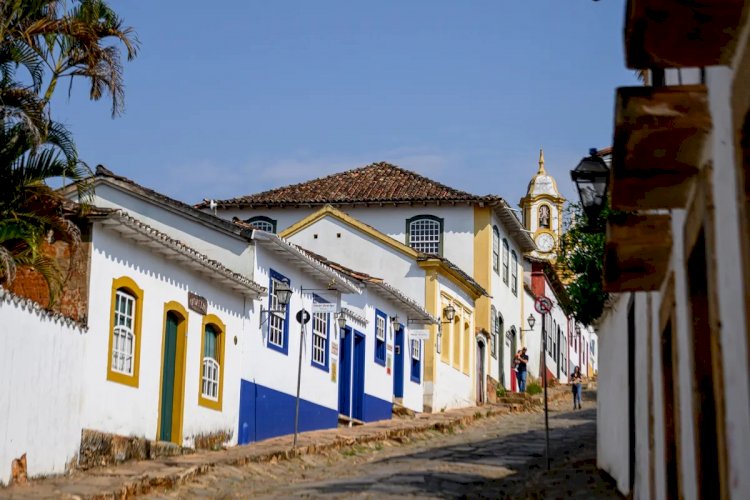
(496, 457)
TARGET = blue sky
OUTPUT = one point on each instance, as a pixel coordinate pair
(229, 101)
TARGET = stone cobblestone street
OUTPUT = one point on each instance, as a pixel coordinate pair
(496, 457)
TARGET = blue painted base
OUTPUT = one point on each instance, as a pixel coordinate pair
(377, 409)
(267, 413)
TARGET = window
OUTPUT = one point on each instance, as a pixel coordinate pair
(424, 234)
(496, 250)
(505, 261)
(466, 347)
(380, 326)
(416, 361)
(263, 223)
(320, 330)
(514, 273)
(125, 332)
(210, 378)
(212, 362)
(493, 332)
(278, 322)
(123, 349)
(499, 329)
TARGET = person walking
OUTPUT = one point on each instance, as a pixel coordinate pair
(521, 360)
(576, 380)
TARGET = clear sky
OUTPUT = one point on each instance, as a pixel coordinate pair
(233, 97)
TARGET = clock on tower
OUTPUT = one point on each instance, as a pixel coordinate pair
(542, 212)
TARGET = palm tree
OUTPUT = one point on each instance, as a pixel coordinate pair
(30, 210)
(71, 42)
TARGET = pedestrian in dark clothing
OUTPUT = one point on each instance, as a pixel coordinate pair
(575, 380)
(521, 360)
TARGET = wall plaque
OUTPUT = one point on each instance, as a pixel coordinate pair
(197, 303)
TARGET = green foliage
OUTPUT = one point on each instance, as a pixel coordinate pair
(533, 388)
(582, 257)
(44, 41)
(501, 391)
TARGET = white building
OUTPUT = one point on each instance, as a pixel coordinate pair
(674, 380)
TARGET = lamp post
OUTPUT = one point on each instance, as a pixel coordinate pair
(283, 293)
(591, 178)
(450, 313)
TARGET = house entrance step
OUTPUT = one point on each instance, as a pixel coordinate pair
(344, 421)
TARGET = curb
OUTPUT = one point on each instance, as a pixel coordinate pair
(168, 473)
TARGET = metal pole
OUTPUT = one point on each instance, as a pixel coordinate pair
(299, 381)
(544, 369)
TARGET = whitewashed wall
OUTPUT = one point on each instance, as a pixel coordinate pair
(276, 370)
(458, 225)
(612, 435)
(120, 409)
(231, 250)
(41, 355)
(347, 246)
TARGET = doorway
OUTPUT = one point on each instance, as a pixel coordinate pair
(481, 375)
(352, 374)
(398, 368)
(513, 350)
(172, 393)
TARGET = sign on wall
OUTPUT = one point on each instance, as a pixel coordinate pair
(197, 303)
(323, 307)
(419, 334)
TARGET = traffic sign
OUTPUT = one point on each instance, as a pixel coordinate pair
(303, 317)
(543, 305)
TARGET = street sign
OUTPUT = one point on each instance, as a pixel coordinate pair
(303, 317)
(419, 334)
(324, 307)
(542, 305)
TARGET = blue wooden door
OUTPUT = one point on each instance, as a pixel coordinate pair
(345, 358)
(398, 369)
(358, 390)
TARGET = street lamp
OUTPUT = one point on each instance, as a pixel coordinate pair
(283, 293)
(531, 320)
(591, 178)
(450, 312)
(341, 320)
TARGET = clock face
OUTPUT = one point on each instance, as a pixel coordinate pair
(545, 242)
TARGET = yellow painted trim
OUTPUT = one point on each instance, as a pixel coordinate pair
(442, 268)
(483, 236)
(131, 286)
(212, 319)
(431, 304)
(328, 210)
(178, 403)
(467, 344)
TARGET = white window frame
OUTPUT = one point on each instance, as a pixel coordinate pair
(416, 350)
(380, 327)
(123, 334)
(514, 273)
(210, 379)
(425, 235)
(506, 251)
(275, 320)
(320, 338)
(263, 225)
(495, 249)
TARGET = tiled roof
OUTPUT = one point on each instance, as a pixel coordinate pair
(147, 236)
(375, 183)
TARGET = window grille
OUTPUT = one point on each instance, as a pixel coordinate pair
(124, 339)
(320, 338)
(424, 236)
(275, 319)
(210, 378)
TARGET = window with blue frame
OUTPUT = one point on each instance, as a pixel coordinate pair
(416, 360)
(321, 325)
(278, 322)
(263, 223)
(380, 327)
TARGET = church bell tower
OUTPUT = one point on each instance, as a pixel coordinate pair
(542, 209)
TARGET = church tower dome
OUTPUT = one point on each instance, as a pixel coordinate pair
(542, 209)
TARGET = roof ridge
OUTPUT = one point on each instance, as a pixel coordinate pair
(332, 188)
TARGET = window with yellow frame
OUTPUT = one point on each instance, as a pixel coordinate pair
(213, 340)
(126, 310)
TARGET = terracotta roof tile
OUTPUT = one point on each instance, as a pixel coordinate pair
(378, 182)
